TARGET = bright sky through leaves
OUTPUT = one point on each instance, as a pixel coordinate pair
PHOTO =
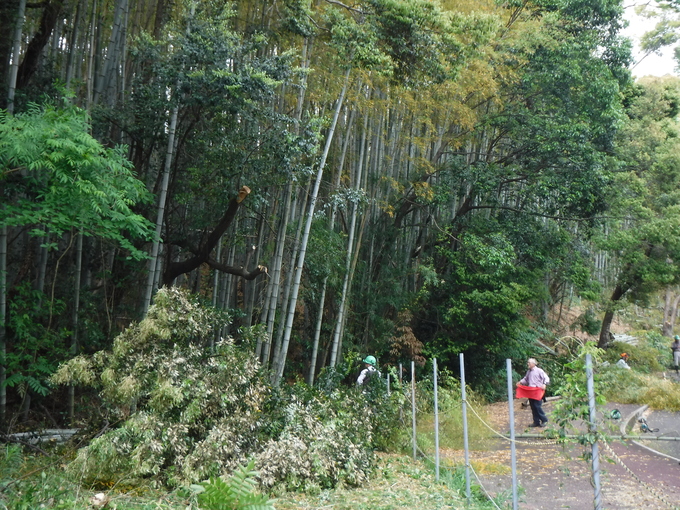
(653, 64)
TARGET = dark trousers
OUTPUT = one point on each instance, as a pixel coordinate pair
(537, 411)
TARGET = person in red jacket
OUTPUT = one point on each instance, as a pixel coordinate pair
(536, 378)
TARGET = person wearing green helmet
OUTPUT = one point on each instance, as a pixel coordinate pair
(368, 371)
(675, 347)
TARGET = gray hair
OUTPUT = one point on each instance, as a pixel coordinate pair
(532, 360)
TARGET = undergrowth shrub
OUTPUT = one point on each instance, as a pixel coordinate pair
(323, 442)
(187, 413)
(662, 345)
(196, 409)
(24, 484)
(386, 407)
(238, 492)
(325, 436)
(573, 406)
(643, 357)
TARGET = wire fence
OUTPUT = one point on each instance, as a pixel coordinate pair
(510, 438)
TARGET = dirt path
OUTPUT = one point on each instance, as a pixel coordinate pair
(554, 476)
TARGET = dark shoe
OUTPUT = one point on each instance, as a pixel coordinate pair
(543, 423)
(535, 425)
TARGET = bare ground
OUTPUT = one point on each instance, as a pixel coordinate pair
(553, 476)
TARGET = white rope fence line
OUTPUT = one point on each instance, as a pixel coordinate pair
(659, 495)
(481, 485)
(516, 441)
(499, 434)
(469, 465)
(656, 493)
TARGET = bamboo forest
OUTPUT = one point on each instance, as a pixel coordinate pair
(208, 205)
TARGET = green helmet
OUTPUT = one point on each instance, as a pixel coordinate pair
(370, 360)
(676, 337)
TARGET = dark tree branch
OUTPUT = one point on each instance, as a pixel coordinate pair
(202, 254)
(348, 7)
(532, 213)
(29, 65)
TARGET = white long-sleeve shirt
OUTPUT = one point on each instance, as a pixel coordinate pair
(535, 377)
(364, 374)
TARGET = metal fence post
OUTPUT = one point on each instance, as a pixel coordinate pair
(413, 405)
(513, 456)
(436, 422)
(465, 429)
(592, 428)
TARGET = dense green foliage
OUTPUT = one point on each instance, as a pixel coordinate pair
(57, 177)
(573, 407)
(644, 201)
(41, 349)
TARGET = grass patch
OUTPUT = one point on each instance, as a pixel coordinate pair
(450, 419)
(399, 483)
(632, 387)
(451, 431)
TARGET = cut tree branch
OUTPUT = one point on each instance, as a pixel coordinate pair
(202, 254)
(238, 271)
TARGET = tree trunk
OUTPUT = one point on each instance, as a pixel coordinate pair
(103, 79)
(335, 348)
(317, 335)
(229, 283)
(93, 43)
(202, 254)
(281, 361)
(670, 312)
(285, 301)
(9, 10)
(322, 299)
(3, 328)
(159, 21)
(352, 271)
(123, 57)
(73, 43)
(275, 276)
(74, 321)
(605, 333)
(43, 256)
(160, 214)
(666, 324)
(253, 291)
(16, 53)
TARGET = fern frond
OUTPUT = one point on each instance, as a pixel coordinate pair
(238, 493)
